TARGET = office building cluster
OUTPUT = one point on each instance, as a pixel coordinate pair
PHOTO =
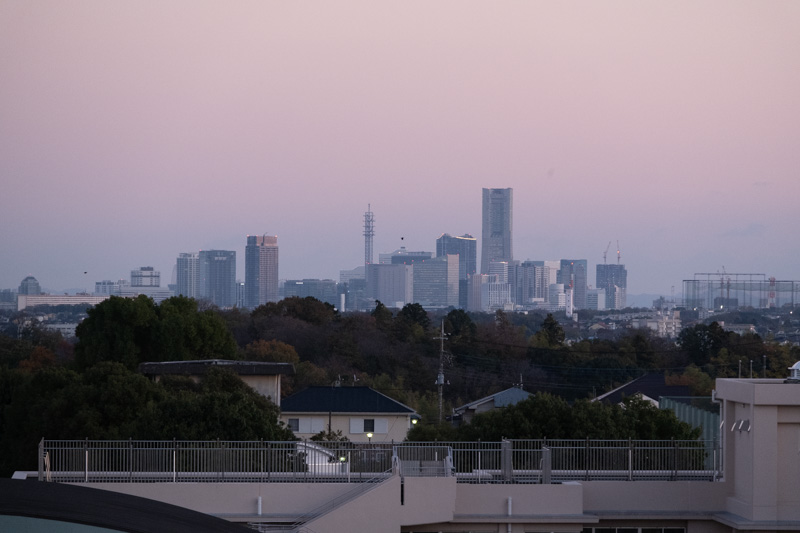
(444, 278)
(450, 278)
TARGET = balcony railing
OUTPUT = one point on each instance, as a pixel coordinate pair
(510, 461)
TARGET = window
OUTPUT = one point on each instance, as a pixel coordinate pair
(294, 424)
(369, 425)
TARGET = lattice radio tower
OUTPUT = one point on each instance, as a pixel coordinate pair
(369, 234)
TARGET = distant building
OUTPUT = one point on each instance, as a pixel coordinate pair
(261, 270)
(25, 301)
(324, 290)
(29, 285)
(145, 281)
(188, 275)
(240, 294)
(393, 285)
(263, 377)
(145, 277)
(355, 411)
(218, 277)
(110, 288)
(498, 400)
(401, 256)
(465, 247)
(556, 297)
(436, 282)
(353, 285)
(573, 273)
(496, 243)
(614, 279)
(596, 299)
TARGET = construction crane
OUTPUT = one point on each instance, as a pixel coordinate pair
(606, 252)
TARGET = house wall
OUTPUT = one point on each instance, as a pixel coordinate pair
(388, 427)
(269, 386)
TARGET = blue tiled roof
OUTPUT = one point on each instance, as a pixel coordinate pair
(342, 400)
(503, 398)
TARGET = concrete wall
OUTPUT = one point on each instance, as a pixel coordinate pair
(761, 438)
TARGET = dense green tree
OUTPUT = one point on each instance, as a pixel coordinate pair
(701, 342)
(134, 330)
(414, 314)
(307, 309)
(118, 329)
(550, 335)
(108, 401)
(382, 315)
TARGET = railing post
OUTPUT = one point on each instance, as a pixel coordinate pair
(86, 460)
(630, 459)
(547, 465)
(587, 459)
(174, 460)
(674, 459)
(505, 460)
(130, 459)
(41, 459)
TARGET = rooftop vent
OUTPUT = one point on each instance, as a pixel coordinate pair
(794, 373)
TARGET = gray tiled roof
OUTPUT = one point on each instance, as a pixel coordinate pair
(342, 400)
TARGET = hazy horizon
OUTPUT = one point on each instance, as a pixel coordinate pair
(133, 131)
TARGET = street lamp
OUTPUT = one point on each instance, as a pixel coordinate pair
(369, 437)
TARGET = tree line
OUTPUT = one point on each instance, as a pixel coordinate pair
(52, 388)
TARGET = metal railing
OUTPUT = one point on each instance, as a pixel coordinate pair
(509, 461)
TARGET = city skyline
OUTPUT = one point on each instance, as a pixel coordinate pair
(133, 132)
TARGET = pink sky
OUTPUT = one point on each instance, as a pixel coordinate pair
(133, 131)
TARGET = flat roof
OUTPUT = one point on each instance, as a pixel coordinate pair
(195, 368)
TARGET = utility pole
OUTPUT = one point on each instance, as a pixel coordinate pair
(440, 377)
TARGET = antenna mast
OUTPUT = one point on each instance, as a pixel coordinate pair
(369, 234)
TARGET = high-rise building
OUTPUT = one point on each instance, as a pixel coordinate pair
(401, 256)
(496, 243)
(218, 277)
(393, 285)
(187, 275)
(145, 277)
(436, 281)
(324, 290)
(596, 299)
(614, 279)
(261, 270)
(572, 274)
(465, 247)
(30, 286)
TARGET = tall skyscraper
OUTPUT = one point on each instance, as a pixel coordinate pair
(187, 275)
(573, 274)
(465, 247)
(261, 270)
(218, 277)
(614, 279)
(496, 242)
